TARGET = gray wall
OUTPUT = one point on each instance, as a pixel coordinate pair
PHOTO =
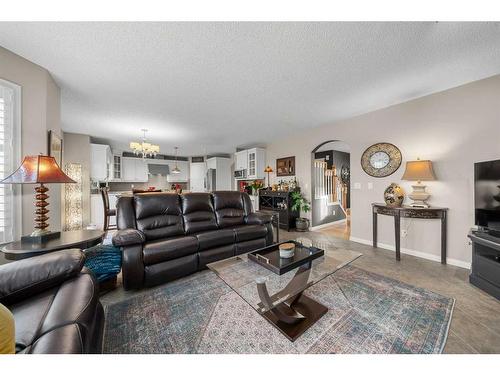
(40, 97)
(453, 128)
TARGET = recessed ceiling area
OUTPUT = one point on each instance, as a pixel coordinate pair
(212, 87)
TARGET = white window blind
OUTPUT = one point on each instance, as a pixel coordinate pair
(9, 159)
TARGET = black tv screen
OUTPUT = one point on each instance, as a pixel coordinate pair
(487, 194)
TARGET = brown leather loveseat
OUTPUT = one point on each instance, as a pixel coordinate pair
(165, 236)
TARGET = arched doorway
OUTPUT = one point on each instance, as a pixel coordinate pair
(330, 188)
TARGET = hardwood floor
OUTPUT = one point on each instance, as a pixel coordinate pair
(340, 230)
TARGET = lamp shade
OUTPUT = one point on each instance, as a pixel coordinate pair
(38, 169)
(268, 169)
(419, 170)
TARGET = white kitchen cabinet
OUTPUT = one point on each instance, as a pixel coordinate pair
(256, 163)
(197, 175)
(183, 176)
(241, 162)
(116, 170)
(134, 170)
(101, 160)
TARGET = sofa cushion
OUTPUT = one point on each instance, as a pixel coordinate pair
(172, 248)
(229, 208)
(213, 255)
(173, 269)
(198, 212)
(215, 238)
(158, 215)
(249, 232)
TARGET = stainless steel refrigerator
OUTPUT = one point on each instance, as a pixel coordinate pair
(211, 180)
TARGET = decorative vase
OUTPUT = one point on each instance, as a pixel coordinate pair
(301, 224)
(394, 195)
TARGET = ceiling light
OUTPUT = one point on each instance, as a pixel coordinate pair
(176, 169)
(144, 148)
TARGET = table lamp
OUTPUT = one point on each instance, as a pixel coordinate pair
(419, 170)
(39, 169)
(268, 170)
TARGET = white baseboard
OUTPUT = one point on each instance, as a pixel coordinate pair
(322, 226)
(419, 254)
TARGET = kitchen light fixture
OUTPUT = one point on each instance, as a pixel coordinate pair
(144, 148)
(176, 169)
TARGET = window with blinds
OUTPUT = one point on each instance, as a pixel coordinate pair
(10, 204)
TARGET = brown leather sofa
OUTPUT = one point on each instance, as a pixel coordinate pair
(165, 236)
(55, 304)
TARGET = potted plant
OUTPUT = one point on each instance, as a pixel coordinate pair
(299, 203)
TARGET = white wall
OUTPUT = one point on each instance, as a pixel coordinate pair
(454, 129)
(40, 112)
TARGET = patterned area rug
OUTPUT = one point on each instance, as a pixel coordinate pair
(368, 313)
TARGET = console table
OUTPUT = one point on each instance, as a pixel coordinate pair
(281, 202)
(414, 213)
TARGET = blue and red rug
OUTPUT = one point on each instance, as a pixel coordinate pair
(368, 313)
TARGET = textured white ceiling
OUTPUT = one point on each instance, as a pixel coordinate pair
(209, 87)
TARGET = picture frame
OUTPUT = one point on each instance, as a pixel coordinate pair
(285, 166)
(55, 147)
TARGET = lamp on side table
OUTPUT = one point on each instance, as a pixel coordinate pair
(419, 170)
(39, 169)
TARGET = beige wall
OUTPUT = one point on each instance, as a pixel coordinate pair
(40, 112)
(77, 150)
(454, 129)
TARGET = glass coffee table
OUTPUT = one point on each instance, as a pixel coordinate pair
(274, 286)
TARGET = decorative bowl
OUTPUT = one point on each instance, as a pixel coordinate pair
(287, 250)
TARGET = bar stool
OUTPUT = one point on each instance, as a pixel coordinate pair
(108, 212)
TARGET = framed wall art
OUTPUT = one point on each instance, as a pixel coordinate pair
(55, 147)
(285, 166)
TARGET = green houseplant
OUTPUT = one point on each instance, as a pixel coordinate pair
(299, 203)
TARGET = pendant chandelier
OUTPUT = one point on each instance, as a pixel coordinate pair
(144, 148)
(176, 169)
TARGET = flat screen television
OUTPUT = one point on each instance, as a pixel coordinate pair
(487, 195)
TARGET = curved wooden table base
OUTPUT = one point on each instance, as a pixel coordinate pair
(297, 313)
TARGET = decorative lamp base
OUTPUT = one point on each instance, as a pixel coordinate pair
(38, 237)
(419, 196)
(41, 234)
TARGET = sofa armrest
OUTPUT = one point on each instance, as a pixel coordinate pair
(132, 267)
(24, 278)
(259, 218)
(128, 237)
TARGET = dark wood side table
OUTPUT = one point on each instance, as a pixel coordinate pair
(414, 213)
(80, 239)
